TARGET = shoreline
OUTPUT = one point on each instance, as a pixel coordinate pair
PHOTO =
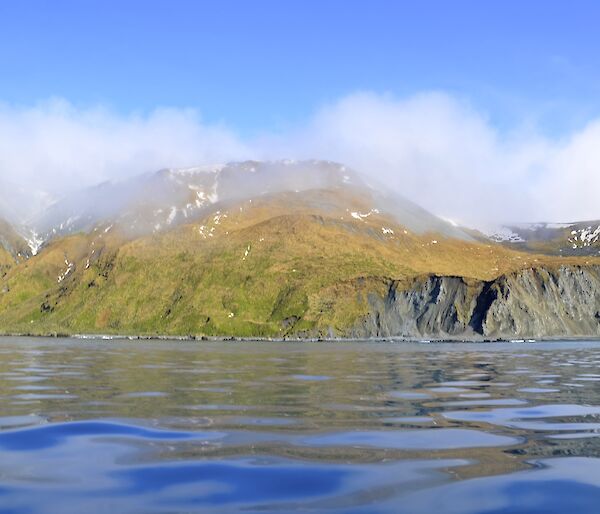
(237, 339)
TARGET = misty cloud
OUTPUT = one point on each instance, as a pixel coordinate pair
(433, 148)
(58, 147)
(447, 156)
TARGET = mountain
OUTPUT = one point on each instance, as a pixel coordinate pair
(575, 238)
(158, 201)
(282, 249)
(17, 206)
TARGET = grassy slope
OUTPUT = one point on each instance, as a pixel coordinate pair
(558, 246)
(11, 241)
(6, 261)
(560, 242)
(286, 264)
(12, 247)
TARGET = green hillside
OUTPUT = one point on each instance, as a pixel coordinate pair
(284, 264)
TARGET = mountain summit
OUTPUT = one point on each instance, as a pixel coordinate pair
(159, 201)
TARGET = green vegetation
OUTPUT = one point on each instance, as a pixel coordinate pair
(274, 267)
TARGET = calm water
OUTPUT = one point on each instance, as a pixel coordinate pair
(98, 426)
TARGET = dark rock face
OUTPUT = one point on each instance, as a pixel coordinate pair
(531, 303)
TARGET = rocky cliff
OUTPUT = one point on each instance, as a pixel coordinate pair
(530, 303)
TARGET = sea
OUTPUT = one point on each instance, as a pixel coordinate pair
(117, 426)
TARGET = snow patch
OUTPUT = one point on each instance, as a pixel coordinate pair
(34, 241)
(218, 217)
(172, 215)
(65, 273)
(361, 216)
(246, 253)
(210, 168)
(502, 235)
(451, 221)
(584, 237)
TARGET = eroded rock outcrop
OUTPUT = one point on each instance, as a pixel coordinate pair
(533, 303)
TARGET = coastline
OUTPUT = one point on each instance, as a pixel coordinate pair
(238, 339)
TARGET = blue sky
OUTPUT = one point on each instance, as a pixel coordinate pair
(265, 65)
(474, 109)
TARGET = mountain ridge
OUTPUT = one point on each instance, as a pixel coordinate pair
(282, 249)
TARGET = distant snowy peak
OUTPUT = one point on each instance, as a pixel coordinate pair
(566, 238)
(503, 235)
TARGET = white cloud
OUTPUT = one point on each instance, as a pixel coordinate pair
(431, 147)
(448, 157)
(56, 146)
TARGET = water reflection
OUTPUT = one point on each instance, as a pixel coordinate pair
(206, 427)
